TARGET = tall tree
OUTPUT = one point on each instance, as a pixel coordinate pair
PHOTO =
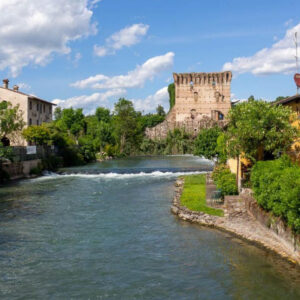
(125, 124)
(11, 121)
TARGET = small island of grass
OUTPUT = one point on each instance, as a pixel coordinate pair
(193, 195)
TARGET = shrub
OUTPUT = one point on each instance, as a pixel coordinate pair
(276, 186)
(225, 180)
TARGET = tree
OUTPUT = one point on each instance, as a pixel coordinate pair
(160, 111)
(259, 130)
(38, 134)
(171, 91)
(125, 125)
(103, 114)
(71, 120)
(11, 120)
(206, 143)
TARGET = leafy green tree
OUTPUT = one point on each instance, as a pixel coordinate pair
(178, 142)
(280, 98)
(160, 111)
(57, 113)
(206, 143)
(171, 91)
(125, 126)
(72, 120)
(11, 120)
(37, 134)
(259, 130)
(103, 114)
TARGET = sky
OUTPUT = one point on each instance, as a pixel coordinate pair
(90, 53)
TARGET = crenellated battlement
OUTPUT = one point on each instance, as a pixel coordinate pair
(202, 78)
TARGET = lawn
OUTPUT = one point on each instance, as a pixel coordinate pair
(194, 195)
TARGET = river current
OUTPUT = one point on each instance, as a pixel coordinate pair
(105, 231)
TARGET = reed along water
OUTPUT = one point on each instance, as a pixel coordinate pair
(105, 231)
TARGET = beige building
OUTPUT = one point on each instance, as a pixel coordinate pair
(35, 110)
(201, 100)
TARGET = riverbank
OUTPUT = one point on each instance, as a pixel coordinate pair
(236, 220)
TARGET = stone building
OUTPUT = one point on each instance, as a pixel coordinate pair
(35, 110)
(201, 101)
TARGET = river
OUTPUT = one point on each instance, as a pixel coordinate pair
(105, 231)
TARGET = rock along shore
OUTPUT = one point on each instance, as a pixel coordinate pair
(238, 222)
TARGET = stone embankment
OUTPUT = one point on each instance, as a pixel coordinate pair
(242, 222)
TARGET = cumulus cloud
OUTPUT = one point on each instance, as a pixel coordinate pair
(150, 103)
(126, 37)
(32, 30)
(132, 79)
(90, 102)
(279, 58)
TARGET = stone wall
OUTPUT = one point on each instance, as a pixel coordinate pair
(275, 224)
(18, 170)
(202, 100)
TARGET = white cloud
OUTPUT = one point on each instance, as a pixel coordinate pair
(90, 102)
(132, 79)
(149, 104)
(126, 37)
(32, 30)
(279, 58)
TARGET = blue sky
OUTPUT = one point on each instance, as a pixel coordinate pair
(90, 53)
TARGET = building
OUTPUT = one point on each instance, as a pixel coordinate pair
(201, 100)
(35, 110)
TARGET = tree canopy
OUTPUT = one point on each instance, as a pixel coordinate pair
(11, 120)
(259, 130)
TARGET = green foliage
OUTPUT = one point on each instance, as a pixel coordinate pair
(225, 180)
(178, 142)
(259, 130)
(171, 91)
(222, 148)
(276, 186)
(39, 135)
(160, 111)
(194, 195)
(52, 163)
(11, 120)
(280, 98)
(37, 170)
(206, 143)
(103, 114)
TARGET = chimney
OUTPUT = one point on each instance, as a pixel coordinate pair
(5, 83)
(16, 88)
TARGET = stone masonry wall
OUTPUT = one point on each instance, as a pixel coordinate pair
(202, 100)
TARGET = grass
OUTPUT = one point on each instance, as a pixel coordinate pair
(194, 195)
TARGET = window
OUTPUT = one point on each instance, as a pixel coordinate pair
(44, 107)
(41, 107)
(30, 121)
(30, 104)
(37, 106)
(50, 109)
(37, 122)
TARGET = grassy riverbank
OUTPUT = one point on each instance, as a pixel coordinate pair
(194, 195)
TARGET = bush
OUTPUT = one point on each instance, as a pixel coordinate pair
(225, 180)
(276, 186)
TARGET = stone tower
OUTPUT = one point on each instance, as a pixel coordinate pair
(202, 94)
(201, 100)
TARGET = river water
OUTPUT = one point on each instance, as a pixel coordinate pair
(105, 231)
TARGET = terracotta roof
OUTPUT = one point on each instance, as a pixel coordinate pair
(287, 100)
(29, 96)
